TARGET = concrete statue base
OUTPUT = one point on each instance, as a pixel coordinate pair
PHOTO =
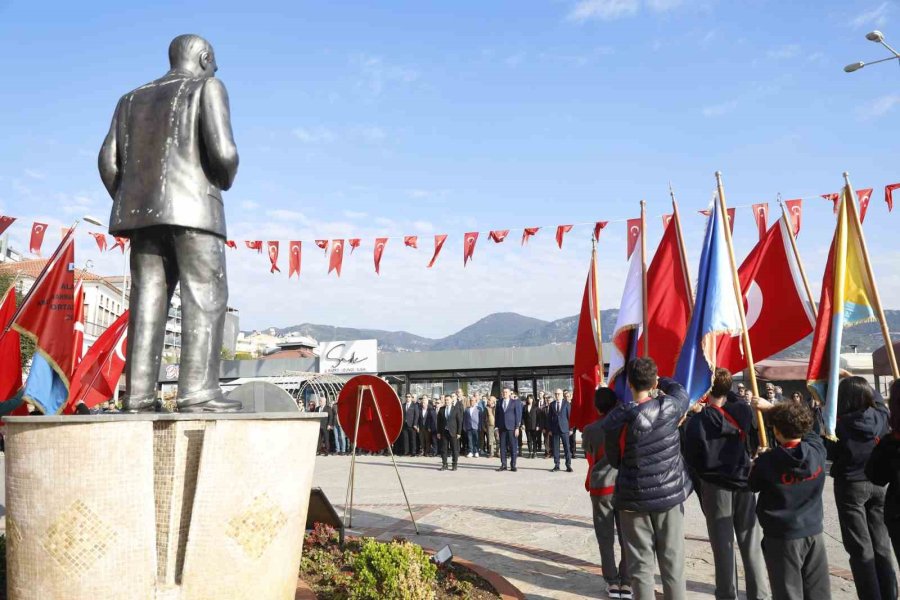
(157, 506)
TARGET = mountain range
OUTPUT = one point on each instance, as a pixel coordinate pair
(507, 329)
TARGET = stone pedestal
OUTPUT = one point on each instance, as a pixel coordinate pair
(180, 507)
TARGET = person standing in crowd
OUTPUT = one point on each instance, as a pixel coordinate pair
(472, 425)
(427, 427)
(323, 426)
(883, 468)
(508, 419)
(861, 422)
(790, 479)
(489, 425)
(643, 442)
(530, 420)
(716, 448)
(600, 484)
(449, 428)
(410, 432)
(334, 427)
(559, 430)
(545, 423)
(567, 395)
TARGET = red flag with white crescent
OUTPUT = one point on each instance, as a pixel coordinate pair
(666, 219)
(5, 222)
(323, 244)
(586, 368)
(10, 350)
(121, 242)
(439, 240)
(731, 212)
(561, 232)
(379, 252)
(598, 227)
(100, 238)
(411, 240)
(37, 237)
(528, 233)
(354, 244)
(273, 257)
(337, 256)
(96, 378)
(498, 235)
(634, 234)
(795, 212)
(254, 245)
(761, 215)
(864, 196)
(835, 198)
(888, 196)
(231, 244)
(469, 242)
(296, 255)
(78, 341)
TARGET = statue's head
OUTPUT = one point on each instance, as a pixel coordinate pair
(193, 54)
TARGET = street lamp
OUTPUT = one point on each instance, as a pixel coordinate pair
(878, 38)
(93, 220)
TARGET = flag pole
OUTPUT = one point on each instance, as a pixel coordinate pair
(876, 299)
(790, 230)
(682, 251)
(646, 305)
(596, 311)
(745, 334)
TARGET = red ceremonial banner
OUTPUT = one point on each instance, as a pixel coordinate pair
(888, 196)
(498, 235)
(296, 254)
(120, 243)
(5, 222)
(37, 237)
(469, 242)
(254, 245)
(100, 238)
(528, 233)
(379, 252)
(273, 257)
(231, 244)
(323, 244)
(598, 227)
(633, 227)
(561, 232)
(354, 244)
(864, 196)
(731, 212)
(761, 215)
(835, 198)
(337, 256)
(586, 367)
(78, 341)
(411, 240)
(96, 378)
(666, 219)
(795, 212)
(10, 350)
(438, 244)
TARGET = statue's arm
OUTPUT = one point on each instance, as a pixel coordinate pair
(108, 161)
(215, 125)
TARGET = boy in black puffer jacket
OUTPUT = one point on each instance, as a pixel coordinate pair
(883, 468)
(642, 442)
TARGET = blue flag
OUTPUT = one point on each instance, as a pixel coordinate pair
(716, 312)
(44, 387)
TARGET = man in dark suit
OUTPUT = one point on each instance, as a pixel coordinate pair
(410, 433)
(508, 421)
(558, 418)
(427, 427)
(449, 427)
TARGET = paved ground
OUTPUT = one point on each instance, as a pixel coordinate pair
(532, 526)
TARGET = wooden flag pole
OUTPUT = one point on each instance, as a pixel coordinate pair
(596, 316)
(879, 311)
(745, 334)
(682, 250)
(646, 304)
(790, 230)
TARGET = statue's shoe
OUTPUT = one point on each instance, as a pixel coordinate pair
(219, 405)
(139, 404)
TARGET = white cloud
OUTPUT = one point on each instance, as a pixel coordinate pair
(663, 5)
(718, 110)
(353, 214)
(874, 16)
(249, 205)
(423, 226)
(314, 135)
(35, 174)
(376, 75)
(287, 215)
(605, 10)
(371, 133)
(784, 52)
(879, 107)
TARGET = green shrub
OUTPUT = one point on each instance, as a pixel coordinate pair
(395, 571)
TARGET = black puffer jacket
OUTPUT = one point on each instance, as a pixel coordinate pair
(857, 434)
(642, 442)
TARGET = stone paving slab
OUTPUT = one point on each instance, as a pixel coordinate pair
(532, 526)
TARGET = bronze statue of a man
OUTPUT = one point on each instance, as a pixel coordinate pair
(168, 156)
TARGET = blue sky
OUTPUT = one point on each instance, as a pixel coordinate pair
(361, 119)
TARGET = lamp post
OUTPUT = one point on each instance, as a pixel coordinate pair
(878, 38)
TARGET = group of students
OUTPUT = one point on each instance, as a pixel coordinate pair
(647, 456)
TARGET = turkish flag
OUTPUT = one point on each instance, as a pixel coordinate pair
(120, 243)
(231, 244)
(731, 211)
(761, 215)
(273, 257)
(529, 232)
(561, 232)
(354, 244)
(864, 196)
(5, 222)
(96, 378)
(498, 235)
(254, 245)
(296, 254)
(795, 212)
(666, 219)
(668, 303)
(634, 233)
(411, 240)
(78, 341)
(586, 369)
(888, 197)
(835, 198)
(37, 237)
(100, 238)
(323, 244)
(337, 256)
(438, 244)
(379, 252)
(469, 242)
(598, 227)
(10, 351)
(778, 313)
